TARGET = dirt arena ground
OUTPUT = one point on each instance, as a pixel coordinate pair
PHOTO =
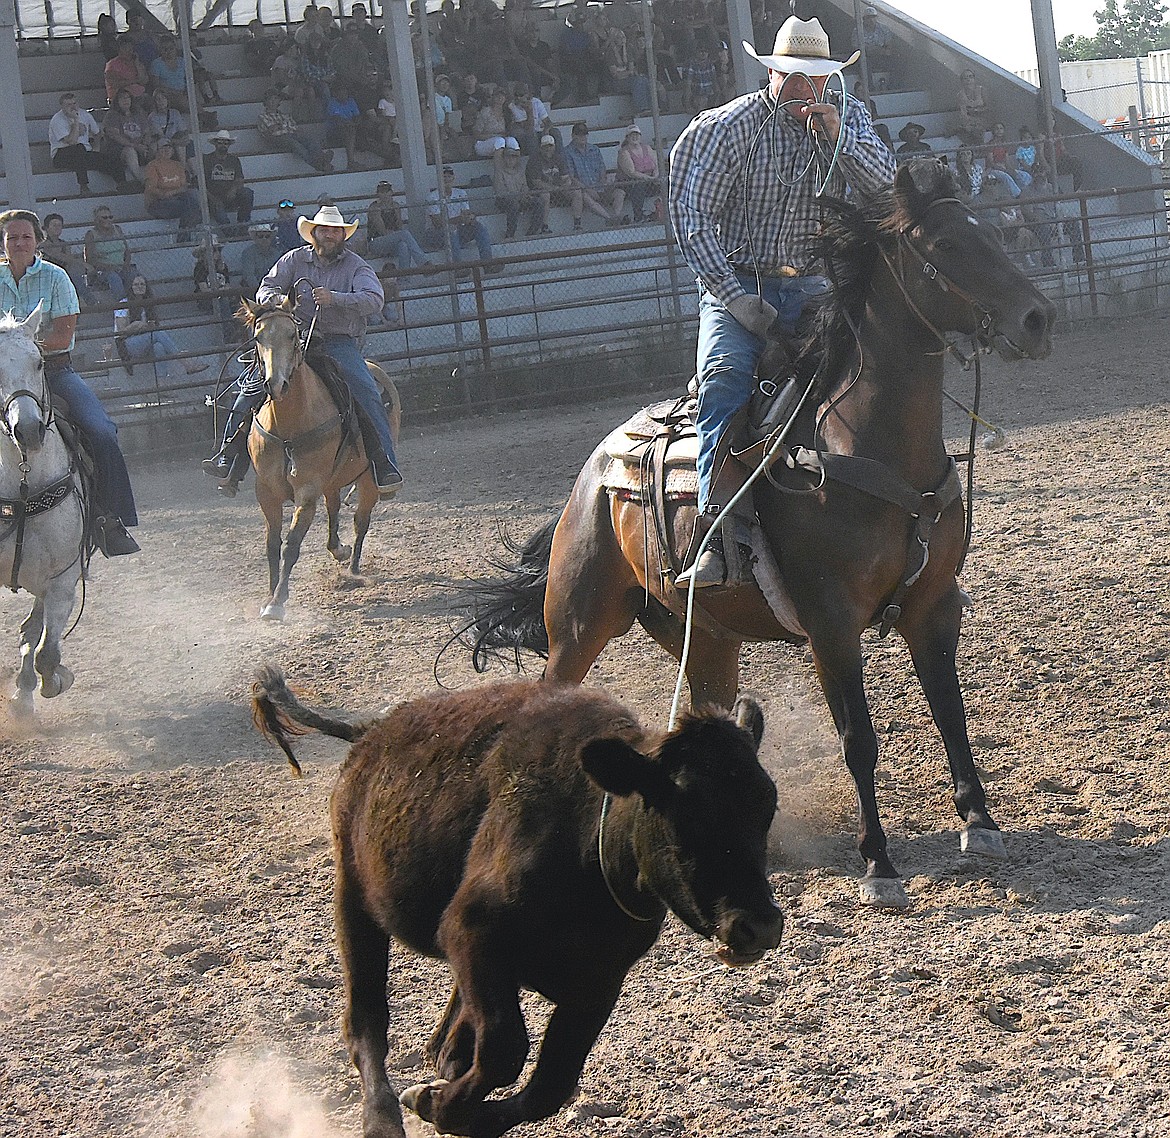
(167, 966)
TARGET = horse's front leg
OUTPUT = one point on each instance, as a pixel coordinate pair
(332, 512)
(273, 509)
(26, 677)
(367, 500)
(838, 661)
(58, 605)
(933, 637)
(303, 514)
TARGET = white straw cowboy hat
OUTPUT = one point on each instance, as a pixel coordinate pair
(801, 46)
(326, 215)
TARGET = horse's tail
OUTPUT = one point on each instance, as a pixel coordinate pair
(279, 716)
(507, 612)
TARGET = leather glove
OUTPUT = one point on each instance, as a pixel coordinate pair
(754, 313)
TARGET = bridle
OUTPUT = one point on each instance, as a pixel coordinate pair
(984, 317)
(298, 351)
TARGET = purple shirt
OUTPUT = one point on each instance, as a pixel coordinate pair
(357, 292)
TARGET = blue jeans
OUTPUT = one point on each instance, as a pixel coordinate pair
(401, 245)
(727, 357)
(461, 235)
(112, 492)
(145, 346)
(183, 205)
(240, 200)
(344, 351)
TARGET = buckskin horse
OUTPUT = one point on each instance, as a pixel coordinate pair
(879, 539)
(304, 447)
(42, 520)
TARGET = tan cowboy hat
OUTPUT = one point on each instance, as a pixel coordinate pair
(801, 46)
(326, 215)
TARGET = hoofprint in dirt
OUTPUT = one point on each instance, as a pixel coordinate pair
(167, 964)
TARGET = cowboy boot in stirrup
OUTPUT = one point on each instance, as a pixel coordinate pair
(723, 563)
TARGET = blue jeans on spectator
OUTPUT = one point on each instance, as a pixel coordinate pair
(346, 353)
(302, 147)
(112, 493)
(401, 245)
(461, 236)
(183, 205)
(106, 278)
(727, 357)
(240, 201)
(156, 345)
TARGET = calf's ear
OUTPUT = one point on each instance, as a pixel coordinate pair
(619, 769)
(749, 716)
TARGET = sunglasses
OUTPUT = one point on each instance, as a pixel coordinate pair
(285, 205)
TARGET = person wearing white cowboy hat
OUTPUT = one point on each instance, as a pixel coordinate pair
(743, 201)
(225, 182)
(335, 286)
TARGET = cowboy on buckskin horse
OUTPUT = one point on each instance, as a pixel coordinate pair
(340, 290)
(26, 280)
(743, 202)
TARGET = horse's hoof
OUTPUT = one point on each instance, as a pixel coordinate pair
(21, 704)
(62, 681)
(983, 841)
(418, 1098)
(272, 611)
(883, 893)
(342, 552)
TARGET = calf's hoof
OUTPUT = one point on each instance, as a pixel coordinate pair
(272, 611)
(983, 841)
(420, 1098)
(883, 893)
(60, 681)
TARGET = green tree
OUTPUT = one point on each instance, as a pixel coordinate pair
(1124, 30)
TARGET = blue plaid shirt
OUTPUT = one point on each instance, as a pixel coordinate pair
(708, 168)
(43, 283)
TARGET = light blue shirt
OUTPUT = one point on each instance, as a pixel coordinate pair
(43, 283)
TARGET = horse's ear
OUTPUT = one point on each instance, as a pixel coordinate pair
(252, 308)
(287, 302)
(32, 325)
(920, 182)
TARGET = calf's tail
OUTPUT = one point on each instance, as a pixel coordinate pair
(279, 716)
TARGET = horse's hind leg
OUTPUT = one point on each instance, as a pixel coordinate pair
(712, 663)
(58, 604)
(332, 511)
(26, 678)
(933, 639)
(367, 499)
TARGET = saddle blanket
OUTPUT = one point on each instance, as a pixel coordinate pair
(628, 446)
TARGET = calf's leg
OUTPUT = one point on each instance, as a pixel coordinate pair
(451, 1048)
(365, 957)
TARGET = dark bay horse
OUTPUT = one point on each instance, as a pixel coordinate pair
(303, 448)
(908, 269)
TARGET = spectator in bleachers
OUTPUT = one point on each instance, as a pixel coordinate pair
(539, 57)
(309, 25)
(529, 117)
(205, 88)
(260, 48)
(259, 255)
(968, 173)
(444, 106)
(586, 166)
(167, 122)
(224, 176)
(170, 75)
(912, 145)
(387, 234)
(59, 252)
(211, 275)
(287, 75)
(465, 228)
(1000, 164)
(878, 41)
(1030, 162)
(166, 192)
(125, 70)
(382, 126)
(126, 134)
(107, 254)
(701, 90)
(349, 58)
(615, 56)
(145, 45)
(973, 110)
(327, 25)
(342, 115)
(513, 196)
(27, 281)
(287, 235)
(547, 178)
(1066, 163)
(140, 337)
(280, 130)
(470, 100)
(637, 171)
(72, 134)
(359, 20)
(107, 31)
(577, 63)
(1041, 217)
(491, 124)
(316, 70)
